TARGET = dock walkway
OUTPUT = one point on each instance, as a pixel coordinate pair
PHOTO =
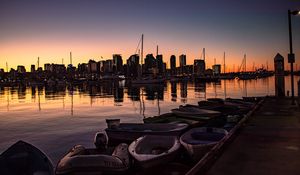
(269, 143)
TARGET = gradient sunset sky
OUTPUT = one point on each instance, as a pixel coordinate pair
(92, 29)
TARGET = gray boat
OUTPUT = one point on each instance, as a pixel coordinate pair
(198, 141)
(192, 112)
(128, 132)
(24, 158)
(152, 150)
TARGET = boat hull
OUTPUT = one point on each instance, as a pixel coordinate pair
(24, 158)
(89, 161)
(128, 132)
(152, 150)
(198, 141)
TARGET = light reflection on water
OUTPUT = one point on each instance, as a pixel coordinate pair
(57, 119)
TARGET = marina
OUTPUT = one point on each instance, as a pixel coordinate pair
(137, 87)
(84, 136)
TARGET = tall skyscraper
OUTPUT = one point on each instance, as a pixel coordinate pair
(160, 64)
(182, 63)
(173, 64)
(199, 67)
(118, 63)
(150, 63)
(133, 66)
(32, 68)
(182, 60)
(216, 69)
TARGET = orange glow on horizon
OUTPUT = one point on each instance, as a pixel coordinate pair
(26, 53)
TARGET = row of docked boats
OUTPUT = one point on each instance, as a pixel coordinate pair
(176, 139)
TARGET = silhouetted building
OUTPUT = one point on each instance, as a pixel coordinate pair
(55, 68)
(92, 66)
(133, 66)
(182, 63)
(47, 67)
(216, 69)
(108, 67)
(32, 68)
(164, 68)
(182, 60)
(118, 63)
(199, 67)
(209, 72)
(21, 69)
(82, 68)
(188, 69)
(150, 64)
(160, 64)
(71, 68)
(173, 64)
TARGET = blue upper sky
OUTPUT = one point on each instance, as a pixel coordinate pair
(94, 28)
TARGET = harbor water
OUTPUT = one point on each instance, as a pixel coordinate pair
(55, 119)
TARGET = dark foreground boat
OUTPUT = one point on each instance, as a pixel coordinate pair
(99, 160)
(23, 158)
(128, 132)
(151, 150)
(198, 141)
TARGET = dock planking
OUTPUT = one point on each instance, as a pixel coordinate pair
(269, 143)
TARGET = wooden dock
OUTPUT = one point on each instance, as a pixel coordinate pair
(268, 143)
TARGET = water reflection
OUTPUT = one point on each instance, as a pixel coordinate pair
(173, 91)
(183, 91)
(119, 94)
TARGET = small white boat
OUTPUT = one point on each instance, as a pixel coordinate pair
(80, 160)
(198, 141)
(192, 112)
(151, 150)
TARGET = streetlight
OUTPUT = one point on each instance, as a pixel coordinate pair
(291, 55)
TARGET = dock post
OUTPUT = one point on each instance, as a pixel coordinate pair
(279, 75)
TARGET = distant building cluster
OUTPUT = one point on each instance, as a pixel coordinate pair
(150, 66)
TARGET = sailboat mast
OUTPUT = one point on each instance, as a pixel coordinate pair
(245, 63)
(204, 58)
(38, 62)
(156, 50)
(224, 63)
(6, 67)
(142, 49)
(71, 58)
(204, 54)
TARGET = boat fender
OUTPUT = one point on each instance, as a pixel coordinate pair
(121, 152)
(77, 150)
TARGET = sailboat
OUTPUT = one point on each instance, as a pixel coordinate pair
(145, 80)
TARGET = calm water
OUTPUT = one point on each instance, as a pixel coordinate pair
(56, 119)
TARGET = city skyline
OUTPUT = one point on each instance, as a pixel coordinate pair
(95, 29)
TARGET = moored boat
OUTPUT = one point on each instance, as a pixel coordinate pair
(172, 118)
(80, 160)
(24, 158)
(189, 111)
(198, 141)
(128, 132)
(151, 150)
